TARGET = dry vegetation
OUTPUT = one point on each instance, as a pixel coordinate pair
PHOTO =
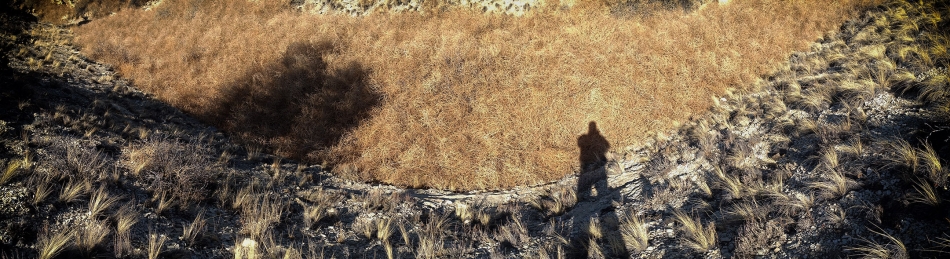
(456, 99)
(74, 11)
(810, 161)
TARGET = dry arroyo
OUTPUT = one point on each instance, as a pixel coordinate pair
(452, 99)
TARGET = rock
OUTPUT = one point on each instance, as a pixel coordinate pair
(248, 249)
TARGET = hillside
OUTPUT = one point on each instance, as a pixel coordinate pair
(838, 150)
(455, 99)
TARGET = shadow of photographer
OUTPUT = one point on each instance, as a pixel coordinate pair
(592, 181)
(595, 218)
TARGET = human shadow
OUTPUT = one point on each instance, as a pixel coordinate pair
(593, 155)
(298, 105)
(595, 216)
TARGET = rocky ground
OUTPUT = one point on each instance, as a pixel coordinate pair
(839, 153)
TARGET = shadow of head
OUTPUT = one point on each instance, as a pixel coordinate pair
(593, 147)
(298, 103)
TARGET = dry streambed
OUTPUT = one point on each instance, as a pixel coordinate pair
(838, 153)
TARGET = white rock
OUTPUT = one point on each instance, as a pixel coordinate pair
(249, 243)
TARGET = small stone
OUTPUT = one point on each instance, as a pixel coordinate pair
(249, 243)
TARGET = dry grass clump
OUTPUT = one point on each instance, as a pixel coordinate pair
(922, 167)
(431, 244)
(51, 244)
(515, 233)
(71, 191)
(100, 201)
(125, 218)
(834, 185)
(178, 173)
(156, 243)
(72, 11)
(378, 200)
(365, 226)
(456, 99)
(75, 162)
(261, 215)
(555, 201)
(192, 232)
(758, 237)
(13, 168)
(320, 207)
(42, 190)
(696, 235)
(925, 193)
(317, 213)
(635, 234)
(90, 237)
(891, 248)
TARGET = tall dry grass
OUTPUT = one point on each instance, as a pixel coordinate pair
(73, 11)
(457, 99)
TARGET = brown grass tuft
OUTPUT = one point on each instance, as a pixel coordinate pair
(636, 234)
(100, 201)
(192, 232)
(73, 11)
(182, 171)
(456, 99)
(891, 248)
(126, 217)
(555, 201)
(12, 169)
(700, 237)
(49, 245)
(90, 237)
(156, 243)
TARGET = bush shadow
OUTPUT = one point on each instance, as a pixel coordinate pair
(645, 8)
(298, 104)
